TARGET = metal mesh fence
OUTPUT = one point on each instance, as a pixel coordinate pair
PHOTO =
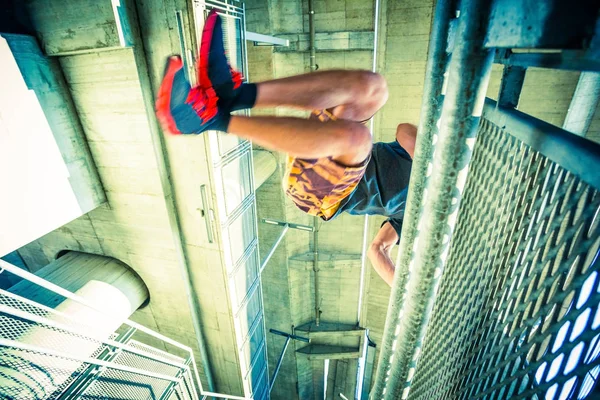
(517, 314)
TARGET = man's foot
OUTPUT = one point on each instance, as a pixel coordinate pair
(214, 70)
(184, 110)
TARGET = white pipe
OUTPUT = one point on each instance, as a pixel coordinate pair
(584, 103)
(363, 257)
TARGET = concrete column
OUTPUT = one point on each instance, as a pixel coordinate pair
(318, 378)
(104, 282)
(42, 148)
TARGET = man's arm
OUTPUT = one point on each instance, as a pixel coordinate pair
(380, 252)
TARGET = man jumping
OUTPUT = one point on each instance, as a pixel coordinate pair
(334, 166)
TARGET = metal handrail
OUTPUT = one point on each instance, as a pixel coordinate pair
(412, 299)
(111, 343)
(430, 113)
(574, 153)
(92, 361)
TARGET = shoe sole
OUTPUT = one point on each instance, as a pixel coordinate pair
(163, 102)
(207, 35)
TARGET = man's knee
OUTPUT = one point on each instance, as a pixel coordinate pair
(357, 144)
(371, 86)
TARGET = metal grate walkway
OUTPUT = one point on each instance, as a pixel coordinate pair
(517, 314)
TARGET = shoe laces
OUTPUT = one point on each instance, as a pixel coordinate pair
(204, 102)
(237, 78)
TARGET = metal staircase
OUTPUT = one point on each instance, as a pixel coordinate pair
(41, 353)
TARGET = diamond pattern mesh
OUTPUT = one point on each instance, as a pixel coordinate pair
(115, 384)
(28, 374)
(517, 314)
(14, 301)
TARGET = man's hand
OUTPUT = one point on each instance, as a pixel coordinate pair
(380, 252)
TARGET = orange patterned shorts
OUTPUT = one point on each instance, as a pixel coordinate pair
(318, 186)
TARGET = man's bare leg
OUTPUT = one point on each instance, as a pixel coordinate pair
(347, 142)
(351, 95)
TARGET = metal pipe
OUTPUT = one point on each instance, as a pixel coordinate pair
(316, 269)
(279, 362)
(266, 39)
(362, 365)
(468, 76)
(365, 241)
(311, 29)
(290, 225)
(584, 104)
(263, 264)
(313, 67)
(295, 337)
(430, 112)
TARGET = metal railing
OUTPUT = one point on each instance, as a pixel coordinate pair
(47, 354)
(496, 287)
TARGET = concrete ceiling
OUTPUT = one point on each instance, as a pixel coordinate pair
(142, 173)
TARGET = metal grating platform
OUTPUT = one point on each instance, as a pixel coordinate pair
(517, 314)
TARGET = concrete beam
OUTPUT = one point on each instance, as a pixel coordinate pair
(328, 41)
(327, 352)
(44, 155)
(326, 261)
(77, 27)
(44, 77)
(331, 340)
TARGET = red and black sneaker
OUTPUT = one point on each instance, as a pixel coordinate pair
(182, 109)
(214, 70)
